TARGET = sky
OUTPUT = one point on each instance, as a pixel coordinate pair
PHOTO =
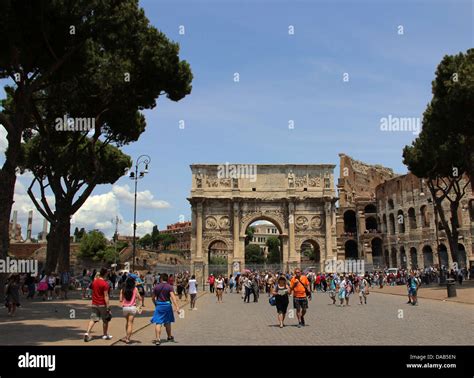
(332, 69)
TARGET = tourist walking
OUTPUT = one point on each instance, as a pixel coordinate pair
(129, 297)
(349, 288)
(211, 281)
(164, 298)
(100, 305)
(299, 288)
(231, 283)
(12, 293)
(30, 284)
(281, 292)
(332, 288)
(220, 283)
(149, 279)
(65, 282)
(363, 289)
(413, 284)
(342, 291)
(51, 280)
(192, 284)
(247, 284)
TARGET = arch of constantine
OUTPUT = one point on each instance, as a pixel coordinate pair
(299, 199)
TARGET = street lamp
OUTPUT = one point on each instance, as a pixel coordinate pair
(135, 176)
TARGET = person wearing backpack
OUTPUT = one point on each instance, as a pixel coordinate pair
(299, 288)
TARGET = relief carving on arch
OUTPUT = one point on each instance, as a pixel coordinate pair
(211, 238)
(211, 223)
(301, 223)
(316, 222)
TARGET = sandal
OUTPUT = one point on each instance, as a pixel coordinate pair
(171, 338)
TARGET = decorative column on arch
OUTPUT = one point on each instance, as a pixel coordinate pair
(199, 210)
(236, 232)
(291, 233)
(328, 230)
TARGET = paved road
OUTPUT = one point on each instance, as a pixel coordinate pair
(386, 320)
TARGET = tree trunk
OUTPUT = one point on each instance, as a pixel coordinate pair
(7, 191)
(454, 231)
(57, 254)
(52, 250)
(64, 251)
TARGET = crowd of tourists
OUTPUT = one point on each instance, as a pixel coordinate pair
(165, 290)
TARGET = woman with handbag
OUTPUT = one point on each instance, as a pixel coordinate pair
(280, 292)
(129, 297)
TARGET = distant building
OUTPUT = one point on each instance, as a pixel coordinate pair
(182, 233)
(261, 235)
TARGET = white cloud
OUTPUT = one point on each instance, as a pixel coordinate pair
(3, 140)
(98, 212)
(144, 198)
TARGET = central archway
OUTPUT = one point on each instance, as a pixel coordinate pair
(311, 255)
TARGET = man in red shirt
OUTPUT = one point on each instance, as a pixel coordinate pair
(100, 305)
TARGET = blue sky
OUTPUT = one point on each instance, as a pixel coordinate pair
(287, 77)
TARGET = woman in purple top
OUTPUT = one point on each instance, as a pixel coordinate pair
(163, 296)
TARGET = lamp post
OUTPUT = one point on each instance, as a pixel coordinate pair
(135, 176)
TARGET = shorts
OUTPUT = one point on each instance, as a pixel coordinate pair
(180, 290)
(300, 303)
(332, 293)
(99, 313)
(129, 310)
(412, 292)
(362, 293)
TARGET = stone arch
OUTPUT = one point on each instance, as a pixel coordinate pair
(351, 250)
(443, 255)
(427, 256)
(252, 218)
(350, 222)
(462, 256)
(225, 246)
(413, 258)
(393, 258)
(377, 252)
(401, 221)
(412, 218)
(316, 249)
(403, 258)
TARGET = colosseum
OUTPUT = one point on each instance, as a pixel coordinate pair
(389, 220)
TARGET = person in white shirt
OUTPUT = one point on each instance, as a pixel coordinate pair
(192, 283)
(219, 288)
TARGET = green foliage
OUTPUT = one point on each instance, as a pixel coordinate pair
(253, 254)
(249, 232)
(447, 136)
(145, 241)
(93, 245)
(155, 237)
(217, 260)
(273, 244)
(166, 240)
